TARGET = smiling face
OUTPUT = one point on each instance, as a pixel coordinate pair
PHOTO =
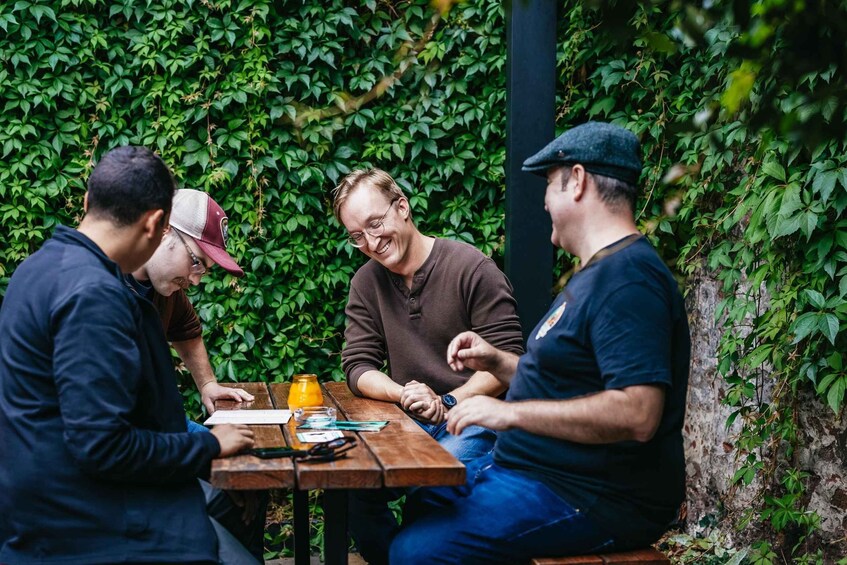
(169, 269)
(362, 210)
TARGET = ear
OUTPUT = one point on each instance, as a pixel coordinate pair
(580, 179)
(85, 202)
(151, 223)
(403, 207)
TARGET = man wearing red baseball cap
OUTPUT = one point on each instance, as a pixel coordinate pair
(194, 242)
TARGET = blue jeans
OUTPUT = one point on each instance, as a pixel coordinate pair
(372, 523)
(498, 516)
(194, 427)
(475, 441)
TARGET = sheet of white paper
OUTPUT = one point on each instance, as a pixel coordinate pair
(248, 417)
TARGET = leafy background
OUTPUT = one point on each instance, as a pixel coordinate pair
(740, 107)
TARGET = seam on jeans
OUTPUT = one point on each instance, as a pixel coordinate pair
(545, 525)
(481, 470)
(608, 542)
(603, 547)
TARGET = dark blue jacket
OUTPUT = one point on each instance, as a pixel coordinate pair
(95, 461)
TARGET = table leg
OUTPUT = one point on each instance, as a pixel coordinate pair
(335, 526)
(302, 554)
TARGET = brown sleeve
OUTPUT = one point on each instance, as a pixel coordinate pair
(184, 324)
(493, 309)
(365, 342)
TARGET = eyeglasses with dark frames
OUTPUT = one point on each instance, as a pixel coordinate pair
(324, 451)
(197, 266)
(374, 229)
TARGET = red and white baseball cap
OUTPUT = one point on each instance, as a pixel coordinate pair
(194, 213)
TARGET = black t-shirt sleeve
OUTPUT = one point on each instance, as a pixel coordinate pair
(631, 337)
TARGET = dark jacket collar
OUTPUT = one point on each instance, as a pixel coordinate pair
(70, 236)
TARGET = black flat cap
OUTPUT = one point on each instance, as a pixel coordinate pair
(601, 148)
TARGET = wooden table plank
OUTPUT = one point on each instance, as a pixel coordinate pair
(247, 472)
(407, 454)
(359, 469)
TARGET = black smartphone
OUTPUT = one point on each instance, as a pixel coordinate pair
(272, 452)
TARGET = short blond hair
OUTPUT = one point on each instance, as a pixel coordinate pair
(377, 178)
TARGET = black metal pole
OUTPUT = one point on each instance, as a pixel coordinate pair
(530, 124)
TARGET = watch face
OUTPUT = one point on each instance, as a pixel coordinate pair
(448, 400)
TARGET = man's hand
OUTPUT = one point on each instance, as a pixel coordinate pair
(416, 397)
(435, 413)
(469, 350)
(212, 392)
(422, 401)
(233, 438)
(481, 411)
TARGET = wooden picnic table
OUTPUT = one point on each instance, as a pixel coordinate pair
(402, 454)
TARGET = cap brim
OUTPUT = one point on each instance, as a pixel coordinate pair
(538, 169)
(221, 257)
(540, 163)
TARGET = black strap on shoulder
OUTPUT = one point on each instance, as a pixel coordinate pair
(612, 249)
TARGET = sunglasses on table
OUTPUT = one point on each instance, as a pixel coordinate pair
(324, 451)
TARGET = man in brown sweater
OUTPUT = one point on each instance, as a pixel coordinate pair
(405, 306)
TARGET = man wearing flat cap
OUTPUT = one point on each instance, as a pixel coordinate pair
(589, 454)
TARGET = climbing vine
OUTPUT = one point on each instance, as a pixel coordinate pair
(741, 112)
(267, 104)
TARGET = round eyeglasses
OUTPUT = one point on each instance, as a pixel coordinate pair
(197, 266)
(373, 229)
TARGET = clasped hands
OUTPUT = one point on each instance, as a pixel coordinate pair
(420, 400)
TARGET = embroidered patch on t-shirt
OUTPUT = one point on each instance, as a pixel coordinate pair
(551, 321)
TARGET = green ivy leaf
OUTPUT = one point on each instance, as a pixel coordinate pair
(835, 395)
(804, 326)
(816, 299)
(824, 183)
(829, 327)
(774, 169)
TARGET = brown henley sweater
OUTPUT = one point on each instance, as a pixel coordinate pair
(455, 290)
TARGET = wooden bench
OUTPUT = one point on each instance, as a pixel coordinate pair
(636, 557)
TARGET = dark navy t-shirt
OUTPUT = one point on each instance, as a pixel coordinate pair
(620, 322)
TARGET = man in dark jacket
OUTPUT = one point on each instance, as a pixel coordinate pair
(97, 466)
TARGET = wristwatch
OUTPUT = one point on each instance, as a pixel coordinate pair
(448, 400)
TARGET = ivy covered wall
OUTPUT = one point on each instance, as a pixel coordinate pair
(266, 105)
(741, 113)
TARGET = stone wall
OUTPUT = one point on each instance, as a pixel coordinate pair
(710, 452)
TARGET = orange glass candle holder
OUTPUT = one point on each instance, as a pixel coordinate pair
(305, 391)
